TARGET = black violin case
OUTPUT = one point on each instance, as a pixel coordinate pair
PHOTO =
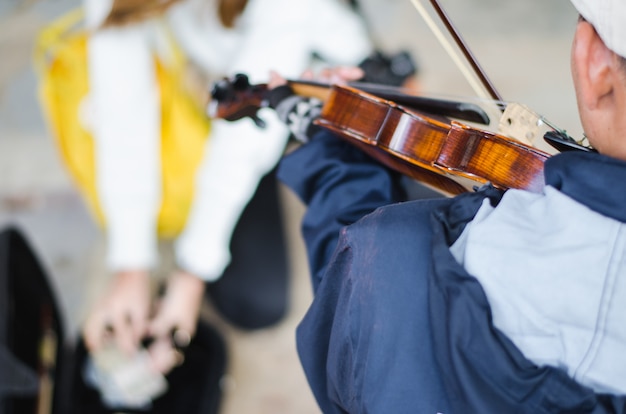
(40, 369)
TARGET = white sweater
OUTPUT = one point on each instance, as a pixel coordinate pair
(124, 118)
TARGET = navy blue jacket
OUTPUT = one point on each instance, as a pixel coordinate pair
(396, 325)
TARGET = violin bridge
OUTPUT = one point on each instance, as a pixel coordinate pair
(523, 124)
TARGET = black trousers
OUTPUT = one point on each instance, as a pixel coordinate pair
(252, 293)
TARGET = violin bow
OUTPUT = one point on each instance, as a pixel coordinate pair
(483, 86)
(557, 138)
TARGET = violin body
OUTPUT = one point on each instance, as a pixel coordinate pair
(446, 155)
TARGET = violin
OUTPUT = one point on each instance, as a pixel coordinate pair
(420, 137)
(448, 155)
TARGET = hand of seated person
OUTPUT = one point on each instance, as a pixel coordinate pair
(121, 314)
(174, 323)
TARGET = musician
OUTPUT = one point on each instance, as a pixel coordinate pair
(123, 109)
(488, 302)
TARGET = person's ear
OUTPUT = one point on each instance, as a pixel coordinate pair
(594, 66)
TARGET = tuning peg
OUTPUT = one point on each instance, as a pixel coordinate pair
(240, 82)
(222, 89)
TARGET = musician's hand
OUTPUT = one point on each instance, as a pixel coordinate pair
(276, 80)
(177, 313)
(337, 75)
(121, 314)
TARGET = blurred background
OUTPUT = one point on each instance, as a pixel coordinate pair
(522, 45)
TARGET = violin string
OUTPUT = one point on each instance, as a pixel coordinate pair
(484, 102)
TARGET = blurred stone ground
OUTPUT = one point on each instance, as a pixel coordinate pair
(522, 46)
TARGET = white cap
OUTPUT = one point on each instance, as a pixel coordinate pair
(608, 17)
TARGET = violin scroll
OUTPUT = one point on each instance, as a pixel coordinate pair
(234, 99)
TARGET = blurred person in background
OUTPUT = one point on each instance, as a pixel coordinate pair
(123, 109)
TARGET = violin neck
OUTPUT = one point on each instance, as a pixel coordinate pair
(310, 89)
(234, 99)
(459, 110)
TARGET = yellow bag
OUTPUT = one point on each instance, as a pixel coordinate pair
(61, 60)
